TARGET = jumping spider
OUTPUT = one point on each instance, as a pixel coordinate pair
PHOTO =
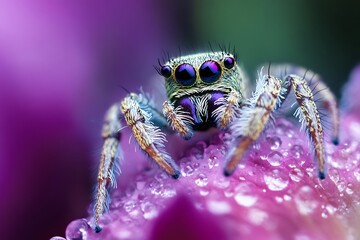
(210, 90)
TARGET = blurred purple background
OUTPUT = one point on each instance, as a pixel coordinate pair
(62, 63)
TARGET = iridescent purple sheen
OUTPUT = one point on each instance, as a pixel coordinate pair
(185, 74)
(229, 62)
(165, 71)
(201, 123)
(210, 71)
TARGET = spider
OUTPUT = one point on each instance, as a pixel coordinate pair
(209, 90)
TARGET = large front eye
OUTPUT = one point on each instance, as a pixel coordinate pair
(210, 71)
(185, 74)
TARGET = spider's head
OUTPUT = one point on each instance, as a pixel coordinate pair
(201, 73)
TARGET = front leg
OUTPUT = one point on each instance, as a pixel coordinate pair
(149, 137)
(140, 115)
(227, 107)
(253, 117)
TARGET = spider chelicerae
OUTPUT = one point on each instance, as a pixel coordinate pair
(209, 90)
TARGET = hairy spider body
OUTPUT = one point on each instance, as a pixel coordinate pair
(210, 90)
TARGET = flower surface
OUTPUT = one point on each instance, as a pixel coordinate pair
(274, 193)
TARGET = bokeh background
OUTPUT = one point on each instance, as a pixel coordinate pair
(62, 63)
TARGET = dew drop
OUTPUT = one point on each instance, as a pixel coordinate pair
(357, 174)
(297, 151)
(341, 186)
(77, 229)
(188, 170)
(57, 238)
(349, 189)
(275, 142)
(204, 192)
(221, 182)
(219, 207)
(201, 180)
(275, 158)
(129, 205)
(213, 162)
(168, 192)
(257, 216)
(305, 200)
(149, 210)
(296, 174)
(198, 150)
(245, 200)
(287, 197)
(276, 181)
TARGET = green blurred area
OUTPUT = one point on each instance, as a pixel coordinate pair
(320, 35)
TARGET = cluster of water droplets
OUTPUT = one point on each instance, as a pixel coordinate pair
(277, 175)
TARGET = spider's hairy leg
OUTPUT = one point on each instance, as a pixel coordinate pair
(179, 120)
(247, 128)
(226, 111)
(327, 99)
(109, 161)
(309, 115)
(149, 137)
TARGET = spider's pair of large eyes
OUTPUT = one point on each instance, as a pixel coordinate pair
(210, 71)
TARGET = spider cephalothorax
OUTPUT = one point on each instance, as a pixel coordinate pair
(210, 90)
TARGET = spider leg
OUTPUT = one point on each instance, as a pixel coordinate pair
(254, 116)
(179, 120)
(146, 124)
(109, 161)
(226, 111)
(309, 115)
(139, 117)
(327, 99)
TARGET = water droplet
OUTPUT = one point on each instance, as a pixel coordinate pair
(341, 186)
(218, 207)
(245, 200)
(287, 197)
(324, 214)
(201, 180)
(297, 151)
(229, 193)
(213, 162)
(57, 238)
(274, 142)
(149, 210)
(349, 190)
(257, 216)
(276, 181)
(168, 192)
(129, 205)
(275, 158)
(204, 192)
(196, 165)
(77, 229)
(198, 150)
(330, 209)
(305, 200)
(188, 170)
(296, 174)
(221, 182)
(334, 175)
(357, 174)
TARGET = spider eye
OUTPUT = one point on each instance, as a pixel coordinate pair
(210, 71)
(185, 74)
(165, 71)
(229, 62)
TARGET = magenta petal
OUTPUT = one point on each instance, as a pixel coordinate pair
(181, 220)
